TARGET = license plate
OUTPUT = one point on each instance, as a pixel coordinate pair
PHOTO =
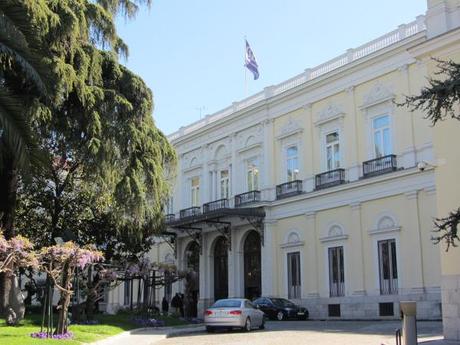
(300, 313)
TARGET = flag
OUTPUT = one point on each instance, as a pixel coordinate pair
(250, 62)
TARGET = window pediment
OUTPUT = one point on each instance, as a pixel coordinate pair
(329, 113)
(334, 233)
(293, 240)
(379, 93)
(291, 127)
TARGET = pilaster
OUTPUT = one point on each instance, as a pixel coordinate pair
(412, 210)
(356, 252)
(269, 268)
(311, 256)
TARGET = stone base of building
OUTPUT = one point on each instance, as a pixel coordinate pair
(451, 306)
(385, 307)
(203, 303)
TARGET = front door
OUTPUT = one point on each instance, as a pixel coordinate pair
(252, 266)
(220, 269)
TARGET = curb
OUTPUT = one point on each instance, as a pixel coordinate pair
(186, 331)
(167, 332)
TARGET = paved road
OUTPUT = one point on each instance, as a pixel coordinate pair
(311, 332)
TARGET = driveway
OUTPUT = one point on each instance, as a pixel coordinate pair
(312, 332)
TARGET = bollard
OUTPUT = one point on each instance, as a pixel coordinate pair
(409, 323)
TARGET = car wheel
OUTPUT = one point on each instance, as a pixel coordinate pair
(247, 325)
(280, 316)
(262, 325)
(209, 329)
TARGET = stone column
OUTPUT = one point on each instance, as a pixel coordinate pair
(418, 285)
(204, 192)
(233, 178)
(204, 294)
(408, 155)
(309, 182)
(354, 163)
(269, 267)
(357, 268)
(311, 256)
(268, 154)
(232, 277)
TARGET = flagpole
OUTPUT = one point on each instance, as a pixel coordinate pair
(245, 70)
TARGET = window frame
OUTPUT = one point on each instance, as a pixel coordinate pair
(381, 131)
(294, 291)
(339, 291)
(224, 183)
(195, 192)
(332, 145)
(288, 159)
(388, 286)
(252, 174)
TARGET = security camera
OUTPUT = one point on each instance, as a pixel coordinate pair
(422, 165)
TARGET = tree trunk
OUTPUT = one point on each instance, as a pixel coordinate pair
(64, 301)
(15, 302)
(8, 189)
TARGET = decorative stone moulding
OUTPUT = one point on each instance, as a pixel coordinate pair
(330, 113)
(291, 127)
(335, 233)
(293, 240)
(384, 225)
(378, 94)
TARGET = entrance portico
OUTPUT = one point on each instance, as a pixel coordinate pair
(229, 242)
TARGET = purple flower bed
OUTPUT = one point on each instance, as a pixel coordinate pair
(148, 322)
(44, 335)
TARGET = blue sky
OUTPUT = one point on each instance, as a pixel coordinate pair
(190, 52)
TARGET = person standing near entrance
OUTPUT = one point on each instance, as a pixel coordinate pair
(175, 303)
(164, 306)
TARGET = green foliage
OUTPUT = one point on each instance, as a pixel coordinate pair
(441, 98)
(106, 158)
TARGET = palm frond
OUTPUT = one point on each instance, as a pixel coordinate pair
(15, 129)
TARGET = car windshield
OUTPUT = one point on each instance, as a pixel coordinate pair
(227, 303)
(281, 302)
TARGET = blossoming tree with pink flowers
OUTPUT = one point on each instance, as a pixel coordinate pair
(59, 262)
(15, 253)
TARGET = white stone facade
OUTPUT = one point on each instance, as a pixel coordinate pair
(378, 211)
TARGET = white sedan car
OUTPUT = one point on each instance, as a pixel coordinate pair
(233, 313)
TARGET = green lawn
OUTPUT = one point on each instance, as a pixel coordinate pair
(109, 325)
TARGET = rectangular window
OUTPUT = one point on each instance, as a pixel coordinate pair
(224, 184)
(253, 174)
(292, 163)
(382, 138)
(195, 191)
(336, 272)
(388, 267)
(293, 262)
(332, 151)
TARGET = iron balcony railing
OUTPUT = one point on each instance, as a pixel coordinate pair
(330, 178)
(170, 218)
(247, 198)
(215, 205)
(378, 166)
(190, 212)
(288, 189)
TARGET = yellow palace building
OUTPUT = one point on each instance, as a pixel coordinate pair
(322, 190)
